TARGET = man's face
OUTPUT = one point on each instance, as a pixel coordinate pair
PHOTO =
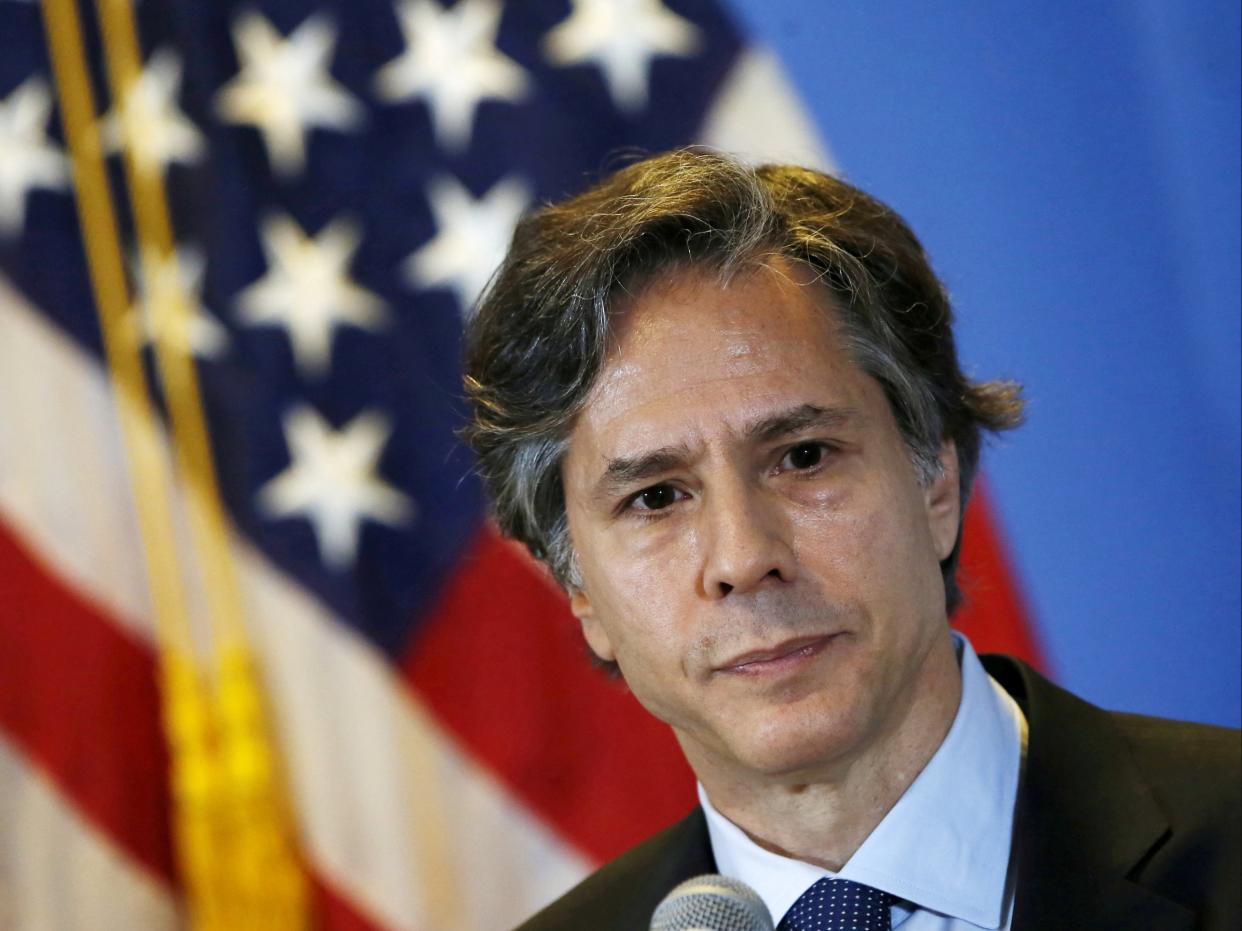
(756, 551)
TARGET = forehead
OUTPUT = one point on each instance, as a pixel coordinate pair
(693, 356)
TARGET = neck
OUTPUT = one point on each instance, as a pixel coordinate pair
(822, 817)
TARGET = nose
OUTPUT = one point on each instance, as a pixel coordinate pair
(746, 545)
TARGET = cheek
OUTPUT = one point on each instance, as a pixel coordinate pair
(903, 566)
(838, 532)
(865, 552)
(651, 564)
(638, 596)
(660, 545)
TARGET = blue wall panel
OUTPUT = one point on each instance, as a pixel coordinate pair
(1074, 171)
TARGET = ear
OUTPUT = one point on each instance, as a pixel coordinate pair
(596, 637)
(943, 500)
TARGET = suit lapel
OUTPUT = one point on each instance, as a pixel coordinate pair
(1086, 817)
(653, 869)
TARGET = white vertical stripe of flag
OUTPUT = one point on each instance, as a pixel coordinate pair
(57, 873)
(758, 116)
(62, 478)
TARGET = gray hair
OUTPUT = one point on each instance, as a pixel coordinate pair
(542, 332)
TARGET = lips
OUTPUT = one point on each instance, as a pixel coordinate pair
(784, 654)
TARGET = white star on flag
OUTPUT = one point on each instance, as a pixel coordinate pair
(621, 37)
(471, 238)
(308, 291)
(28, 159)
(452, 62)
(331, 480)
(284, 87)
(149, 121)
(177, 276)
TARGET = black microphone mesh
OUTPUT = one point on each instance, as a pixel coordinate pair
(712, 903)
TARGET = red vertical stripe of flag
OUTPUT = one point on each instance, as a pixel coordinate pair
(79, 696)
(503, 664)
(992, 614)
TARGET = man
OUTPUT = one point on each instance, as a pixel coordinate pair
(724, 406)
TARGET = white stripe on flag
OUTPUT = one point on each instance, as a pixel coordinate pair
(62, 479)
(757, 115)
(57, 873)
(395, 814)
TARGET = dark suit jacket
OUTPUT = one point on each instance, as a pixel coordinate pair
(1123, 822)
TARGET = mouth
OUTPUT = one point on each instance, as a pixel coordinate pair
(783, 657)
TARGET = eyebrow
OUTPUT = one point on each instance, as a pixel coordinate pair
(624, 472)
(800, 418)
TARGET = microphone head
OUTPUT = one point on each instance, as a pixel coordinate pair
(712, 903)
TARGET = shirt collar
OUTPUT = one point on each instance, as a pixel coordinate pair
(944, 846)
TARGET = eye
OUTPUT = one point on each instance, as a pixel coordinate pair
(804, 456)
(655, 498)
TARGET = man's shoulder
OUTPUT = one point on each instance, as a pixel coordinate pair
(1166, 749)
(1160, 800)
(1196, 769)
(1165, 746)
(621, 895)
(1195, 775)
(1182, 757)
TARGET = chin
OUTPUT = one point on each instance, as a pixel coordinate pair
(788, 748)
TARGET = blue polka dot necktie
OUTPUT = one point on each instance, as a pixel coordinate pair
(839, 905)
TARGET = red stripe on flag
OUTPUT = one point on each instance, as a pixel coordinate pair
(335, 912)
(79, 696)
(504, 666)
(992, 614)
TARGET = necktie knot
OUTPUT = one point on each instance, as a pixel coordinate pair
(839, 905)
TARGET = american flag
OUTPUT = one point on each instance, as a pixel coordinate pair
(339, 182)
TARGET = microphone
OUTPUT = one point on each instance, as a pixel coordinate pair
(712, 903)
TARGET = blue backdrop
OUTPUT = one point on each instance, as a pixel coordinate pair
(1074, 171)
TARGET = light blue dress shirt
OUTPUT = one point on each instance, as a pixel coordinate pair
(943, 851)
